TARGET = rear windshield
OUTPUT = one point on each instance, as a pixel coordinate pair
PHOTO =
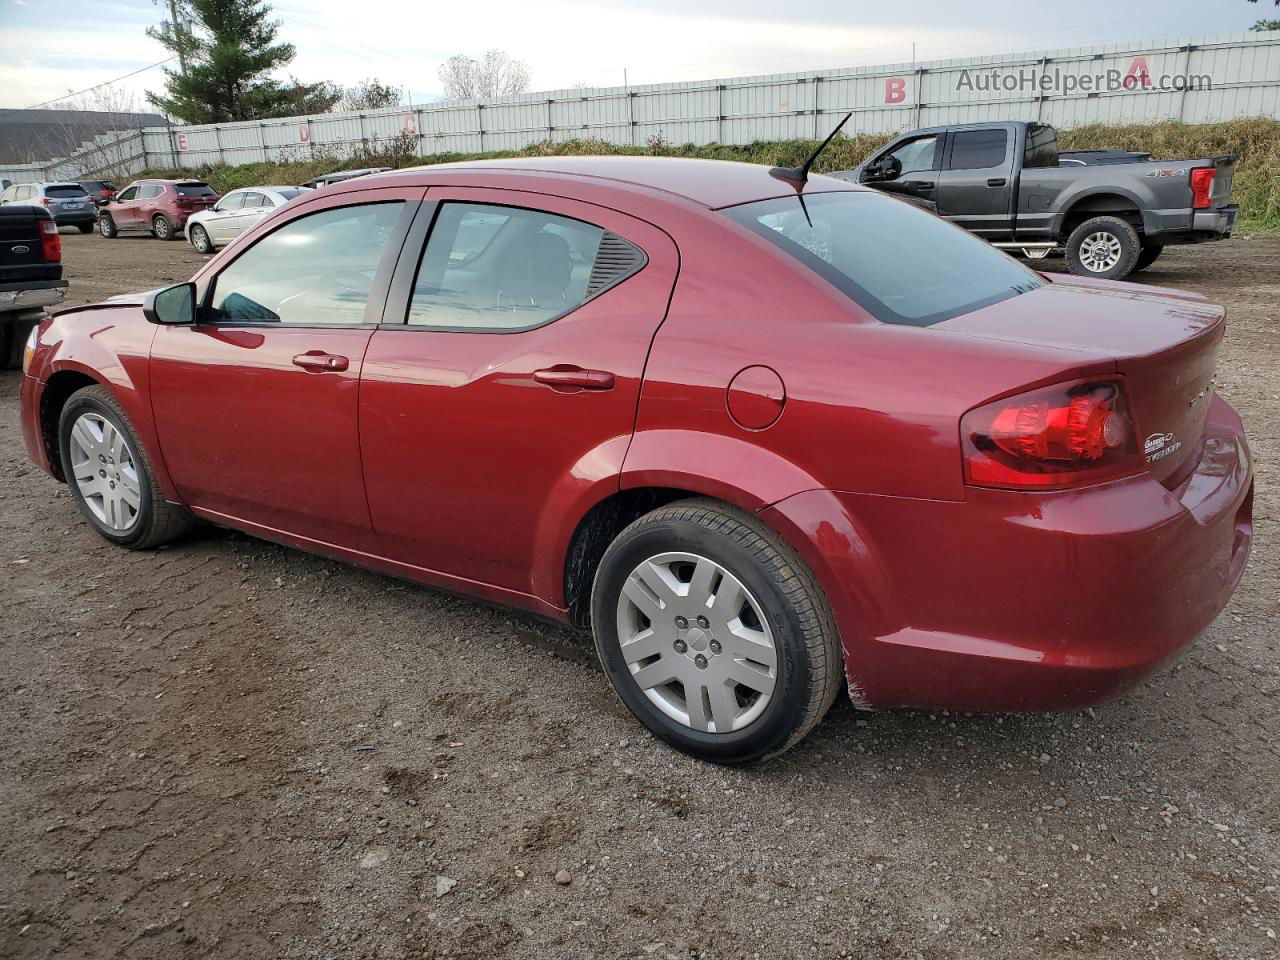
(65, 190)
(897, 262)
(195, 190)
(290, 193)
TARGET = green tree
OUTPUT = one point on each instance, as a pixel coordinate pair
(1264, 25)
(230, 51)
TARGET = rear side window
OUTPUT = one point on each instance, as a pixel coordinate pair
(254, 200)
(65, 190)
(504, 269)
(149, 191)
(897, 262)
(195, 190)
(977, 149)
(1042, 146)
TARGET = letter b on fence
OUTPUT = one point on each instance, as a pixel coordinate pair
(895, 89)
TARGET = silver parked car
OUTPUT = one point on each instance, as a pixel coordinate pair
(235, 213)
(69, 203)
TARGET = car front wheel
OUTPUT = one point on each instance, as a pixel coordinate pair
(110, 478)
(107, 226)
(714, 632)
(200, 239)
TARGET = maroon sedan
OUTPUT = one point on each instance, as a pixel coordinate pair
(157, 207)
(761, 438)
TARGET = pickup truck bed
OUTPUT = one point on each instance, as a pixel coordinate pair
(1111, 212)
(30, 274)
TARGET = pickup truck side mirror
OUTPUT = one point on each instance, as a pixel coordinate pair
(172, 305)
(887, 167)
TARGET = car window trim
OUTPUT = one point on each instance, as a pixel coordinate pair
(400, 295)
(377, 292)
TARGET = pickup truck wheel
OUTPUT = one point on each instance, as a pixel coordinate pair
(162, 228)
(1104, 247)
(109, 475)
(107, 227)
(1150, 252)
(714, 633)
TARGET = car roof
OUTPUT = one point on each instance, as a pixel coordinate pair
(710, 183)
(57, 183)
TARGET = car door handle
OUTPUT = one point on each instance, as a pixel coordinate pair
(919, 184)
(574, 378)
(996, 182)
(316, 360)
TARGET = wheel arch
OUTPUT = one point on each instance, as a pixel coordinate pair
(57, 391)
(1111, 202)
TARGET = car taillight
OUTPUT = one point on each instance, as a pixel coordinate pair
(45, 201)
(1061, 436)
(50, 240)
(104, 193)
(1202, 186)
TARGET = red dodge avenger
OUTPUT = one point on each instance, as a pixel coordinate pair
(764, 437)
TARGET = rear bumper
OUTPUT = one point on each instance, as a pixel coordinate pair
(41, 293)
(1014, 601)
(1190, 226)
(76, 218)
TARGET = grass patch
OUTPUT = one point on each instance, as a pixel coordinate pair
(1254, 141)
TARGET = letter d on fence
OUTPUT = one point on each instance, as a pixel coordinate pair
(895, 89)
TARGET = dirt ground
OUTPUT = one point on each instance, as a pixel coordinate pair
(230, 749)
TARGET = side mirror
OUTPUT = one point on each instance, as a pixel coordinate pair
(172, 305)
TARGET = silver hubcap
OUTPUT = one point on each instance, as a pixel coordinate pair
(697, 642)
(105, 471)
(1100, 252)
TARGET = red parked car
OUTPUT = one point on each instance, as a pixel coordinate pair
(157, 207)
(761, 439)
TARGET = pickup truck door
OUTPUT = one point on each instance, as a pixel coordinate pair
(917, 182)
(978, 180)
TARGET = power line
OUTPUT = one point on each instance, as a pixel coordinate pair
(76, 93)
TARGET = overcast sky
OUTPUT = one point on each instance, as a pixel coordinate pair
(53, 46)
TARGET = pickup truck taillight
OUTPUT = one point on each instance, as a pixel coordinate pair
(50, 241)
(1055, 437)
(1202, 186)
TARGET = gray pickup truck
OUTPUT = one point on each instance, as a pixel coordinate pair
(1109, 211)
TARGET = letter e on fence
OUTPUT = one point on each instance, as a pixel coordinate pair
(180, 139)
(1139, 74)
(304, 133)
(895, 89)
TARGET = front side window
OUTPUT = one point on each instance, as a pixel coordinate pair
(232, 201)
(899, 263)
(502, 268)
(317, 270)
(978, 149)
(129, 194)
(917, 155)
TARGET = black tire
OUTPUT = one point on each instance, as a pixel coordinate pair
(1150, 253)
(85, 227)
(809, 661)
(13, 339)
(200, 239)
(162, 228)
(107, 227)
(7, 339)
(1122, 234)
(157, 521)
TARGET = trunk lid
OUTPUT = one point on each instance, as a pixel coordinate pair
(1164, 344)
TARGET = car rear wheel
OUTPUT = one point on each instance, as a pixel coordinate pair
(107, 226)
(200, 239)
(85, 227)
(714, 633)
(110, 478)
(1150, 253)
(162, 228)
(1104, 247)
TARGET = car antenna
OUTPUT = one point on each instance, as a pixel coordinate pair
(800, 175)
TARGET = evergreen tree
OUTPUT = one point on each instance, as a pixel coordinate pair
(230, 51)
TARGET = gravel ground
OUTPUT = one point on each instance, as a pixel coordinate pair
(230, 749)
